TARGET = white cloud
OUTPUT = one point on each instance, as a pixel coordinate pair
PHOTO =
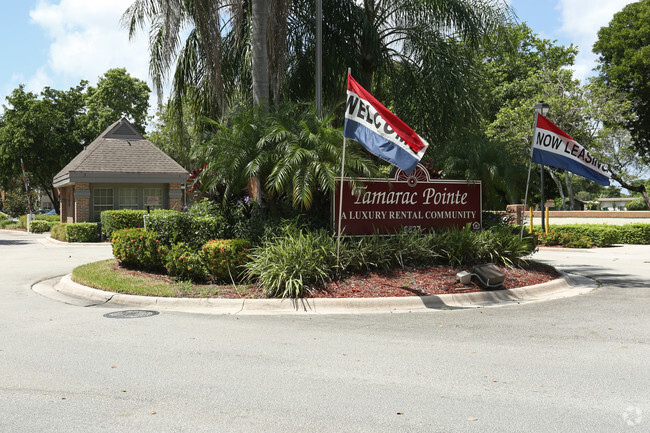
(87, 39)
(39, 81)
(581, 20)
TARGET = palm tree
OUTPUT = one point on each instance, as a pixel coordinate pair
(197, 70)
(415, 56)
(308, 153)
(290, 149)
(226, 38)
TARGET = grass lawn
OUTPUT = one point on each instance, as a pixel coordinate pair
(107, 275)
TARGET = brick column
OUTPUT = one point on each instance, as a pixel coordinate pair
(63, 204)
(82, 202)
(517, 210)
(175, 196)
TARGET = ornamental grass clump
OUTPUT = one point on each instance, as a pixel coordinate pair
(225, 259)
(458, 246)
(289, 263)
(409, 247)
(499, 245)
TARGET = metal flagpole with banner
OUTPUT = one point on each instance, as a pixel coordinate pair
(380, 132)
(338, 229)
(530, 166)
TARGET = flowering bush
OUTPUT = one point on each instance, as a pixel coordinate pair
(225, 258)
(137, 249)
(185, 264)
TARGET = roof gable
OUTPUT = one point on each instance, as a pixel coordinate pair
(120, 153)
(122, 130)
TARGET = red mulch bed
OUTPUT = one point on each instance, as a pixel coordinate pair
(434, 280)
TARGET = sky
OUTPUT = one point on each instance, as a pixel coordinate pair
(58, 43)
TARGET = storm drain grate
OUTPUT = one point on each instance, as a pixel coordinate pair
(131, 314)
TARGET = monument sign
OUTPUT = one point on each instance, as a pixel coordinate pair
(416, 200)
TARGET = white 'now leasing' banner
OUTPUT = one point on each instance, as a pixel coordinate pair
(554, 147)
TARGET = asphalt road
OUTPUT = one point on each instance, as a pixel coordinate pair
(568, 365)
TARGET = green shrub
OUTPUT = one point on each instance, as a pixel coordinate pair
(458, 246)
(52, 219)
(501, 245)
(184, 263)
(574, 241)
(634, 234)
(601, 235)
(113, 220)
(637, 204)
(492, 219)
(406, 248)
(8, 224)
(225, 259)
(565, 238)
(58, 232)
(39, 226)
(180, 227)
(15, 202)
(292, 260)
(81, 232)
(137, 249)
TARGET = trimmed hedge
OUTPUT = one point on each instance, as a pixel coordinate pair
(137, 249)
(600, 235)
(39, 226)
(52, 219)
(81, 232)
(114, 220)
(634, 234)
(75, 232)
(175, 227)
(58, 232)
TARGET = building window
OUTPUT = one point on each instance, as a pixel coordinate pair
(102, 200)
(153, 198)
(128, 198)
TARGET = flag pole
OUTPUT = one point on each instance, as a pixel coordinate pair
(530, 165)
(340, 212)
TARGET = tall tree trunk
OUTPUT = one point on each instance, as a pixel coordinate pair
(568, 179)
(640, 188)
(260, 12)
(559, 187)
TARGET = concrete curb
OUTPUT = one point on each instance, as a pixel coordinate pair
(566, 286)
(49, 240)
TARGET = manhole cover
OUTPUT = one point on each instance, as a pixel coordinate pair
(131, 314)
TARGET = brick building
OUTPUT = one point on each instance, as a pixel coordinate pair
(119, 170)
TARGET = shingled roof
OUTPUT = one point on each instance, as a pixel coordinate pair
(121, 155)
